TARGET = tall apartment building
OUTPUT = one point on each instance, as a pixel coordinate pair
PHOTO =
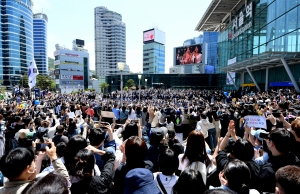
(40, 21)
(16, 44)
(110, 42)
(153, 51)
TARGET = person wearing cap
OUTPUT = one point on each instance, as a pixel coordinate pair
(140, 181)
(257, 142)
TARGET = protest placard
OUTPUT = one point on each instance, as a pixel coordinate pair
(107, 114)
(256, 121)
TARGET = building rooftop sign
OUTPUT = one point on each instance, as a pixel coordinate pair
(239, 24)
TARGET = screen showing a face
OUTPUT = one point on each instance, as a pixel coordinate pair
(188, 55)
(148, 35)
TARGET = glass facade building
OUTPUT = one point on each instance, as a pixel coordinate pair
(16, 39)
(153, 58)
(40, 21)
(275, 28)
(259, 40)
(210, 42)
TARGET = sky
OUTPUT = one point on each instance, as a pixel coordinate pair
(74, 19)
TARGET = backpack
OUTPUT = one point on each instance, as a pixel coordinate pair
(178, 120)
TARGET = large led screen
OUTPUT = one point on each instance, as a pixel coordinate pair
(149, 35)
(188, 55)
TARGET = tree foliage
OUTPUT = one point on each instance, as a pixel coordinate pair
(95, 76)
(130, 83)
(42, 81)
(103, 85)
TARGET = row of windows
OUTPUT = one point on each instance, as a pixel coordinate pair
(16, 18)
(16, 28)
(15, 38)
(12, 10)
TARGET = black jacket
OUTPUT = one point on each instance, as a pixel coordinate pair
(262, 177)
(284, 160)
(97, 184)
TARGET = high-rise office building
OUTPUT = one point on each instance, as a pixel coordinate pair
(40, 21)
(71, 67)
(153, 51)
(16, 42)
(110, 42)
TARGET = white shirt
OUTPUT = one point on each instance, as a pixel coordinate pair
(185, 164)
(167, 181)
(132, 115)
(203, 125)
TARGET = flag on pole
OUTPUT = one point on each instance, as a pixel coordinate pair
(32, 73)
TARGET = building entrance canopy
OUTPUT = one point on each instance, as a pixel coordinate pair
(217, 13)
(265, 61)
(262, 61)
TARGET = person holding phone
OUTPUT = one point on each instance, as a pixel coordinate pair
(23, 169)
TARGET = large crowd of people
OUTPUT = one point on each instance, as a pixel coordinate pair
(158, 141)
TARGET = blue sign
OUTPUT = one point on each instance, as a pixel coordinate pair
(37, 92)
(281, 84)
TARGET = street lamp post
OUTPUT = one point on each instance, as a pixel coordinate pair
(78, 87)
(146, 83)
(121, 68)
(139, 76)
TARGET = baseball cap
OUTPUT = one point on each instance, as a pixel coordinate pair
(257, 133)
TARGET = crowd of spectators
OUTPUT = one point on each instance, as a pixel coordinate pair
(169, 142)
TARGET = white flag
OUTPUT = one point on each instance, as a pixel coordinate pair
(32, 83)
(32, 73)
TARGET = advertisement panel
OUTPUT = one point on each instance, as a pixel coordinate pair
(148, 35)
(66, 76)
(57, 62)
(188, 55)
(77, 77)
(73, 83)
(71, 55)
(230, 81)
(230, 78)
(159, 36)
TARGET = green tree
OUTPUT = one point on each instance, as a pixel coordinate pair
(95, 76)
(43, 81)
(130, 83)
(51, 63)
(2, 88)
(103, 85)
(24, 80)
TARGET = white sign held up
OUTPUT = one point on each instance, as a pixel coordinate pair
(256, 121)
